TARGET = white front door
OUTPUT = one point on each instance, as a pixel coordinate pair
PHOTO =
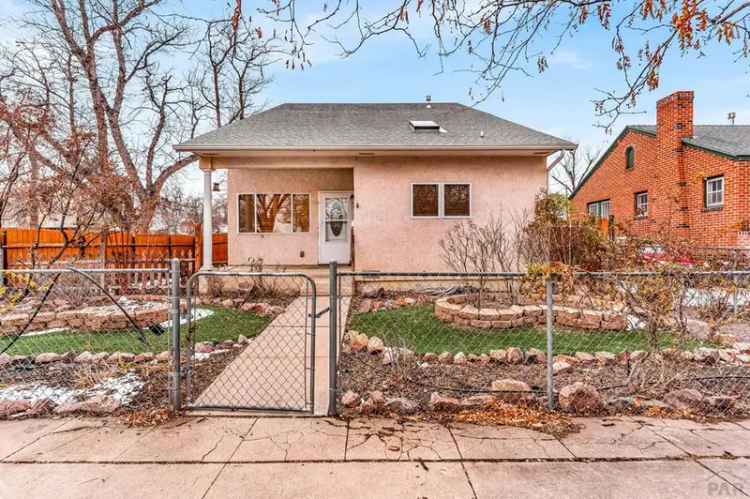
(335, 214)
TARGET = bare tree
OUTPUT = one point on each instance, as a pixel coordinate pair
(521, 36)
(123, 81)
(573, 168)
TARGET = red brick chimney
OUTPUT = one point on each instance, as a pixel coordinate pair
(674, 122)
(674, 119)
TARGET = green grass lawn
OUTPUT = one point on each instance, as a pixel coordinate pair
(418, 329)
(224, 324)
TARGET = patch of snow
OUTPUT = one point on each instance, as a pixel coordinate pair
(122, 389)
(198, 314)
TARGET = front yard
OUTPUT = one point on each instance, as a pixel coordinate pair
(418, 329)
(222, 324)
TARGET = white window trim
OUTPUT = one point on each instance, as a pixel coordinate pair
(711, 180)
(644, 213)
(255, 213)
(599, 203)
(441, 201)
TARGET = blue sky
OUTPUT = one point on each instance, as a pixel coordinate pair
(558, 101)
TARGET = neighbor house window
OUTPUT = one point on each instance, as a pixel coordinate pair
(713, 192)
(441, 200)
(629, 157)
(599, 209)
(641, 204)
(274, 212)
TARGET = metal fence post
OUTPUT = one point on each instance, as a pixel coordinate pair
(332, 336)
(175, 296)
(550, 314)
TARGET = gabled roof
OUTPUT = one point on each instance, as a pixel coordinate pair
(373, 126)
(728, 140)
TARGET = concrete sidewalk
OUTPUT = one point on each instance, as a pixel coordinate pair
(322, 457)
(273, 371)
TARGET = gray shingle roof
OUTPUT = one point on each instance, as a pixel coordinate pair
(357, 126)
(732, 140)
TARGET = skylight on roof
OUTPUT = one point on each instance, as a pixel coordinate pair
(424, 126)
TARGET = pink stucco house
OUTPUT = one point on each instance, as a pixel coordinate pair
(375, 186)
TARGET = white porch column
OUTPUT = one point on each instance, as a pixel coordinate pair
(208, 229)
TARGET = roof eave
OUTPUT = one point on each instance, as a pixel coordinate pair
(373, 148)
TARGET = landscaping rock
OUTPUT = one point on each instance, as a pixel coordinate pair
(100, 357)
(459, 358)
(46, 358)
(580, 398)
(144, 357)
(685, 398)
(164, 356)
(499, 355)
(560, 367)
(430, 357)
(721, 402)
(535, 356)
(365, 306)
(121, 357)
(512, 390)
(242, 340)
(484, 359)
(401, 405)
(373, 403)
(350, 399)
(727, 356)
(742, 347)
(743, 358)
(515, 355)
(478, 401)
(84, 358)
(605, 358)
(5, 360)
(10, 407)
(39, 407)
(358, 341)
(706, 355)
(375, 345)
(445, 358)
(585, 357)
(687, 356)
(441, 403)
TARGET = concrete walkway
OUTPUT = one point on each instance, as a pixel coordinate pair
(322, 457)
(273, 371)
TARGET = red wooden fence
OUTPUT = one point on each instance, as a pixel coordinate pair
(25, 248)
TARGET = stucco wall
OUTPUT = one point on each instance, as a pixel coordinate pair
(280, 249)
(388, 238)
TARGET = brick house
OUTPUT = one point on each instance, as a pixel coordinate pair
(689, 181)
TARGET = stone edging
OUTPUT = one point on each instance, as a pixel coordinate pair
(454, 309)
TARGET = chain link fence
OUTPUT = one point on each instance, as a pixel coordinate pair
(228, 363)
(585, 343)
(85, 340)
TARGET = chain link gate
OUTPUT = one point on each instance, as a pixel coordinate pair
(249, 342)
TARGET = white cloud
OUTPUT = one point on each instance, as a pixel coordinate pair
(569, 57)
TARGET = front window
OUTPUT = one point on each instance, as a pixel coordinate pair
(641, 204)
(441, 200)
(268, 213)
(714, 192)
(599, 209)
